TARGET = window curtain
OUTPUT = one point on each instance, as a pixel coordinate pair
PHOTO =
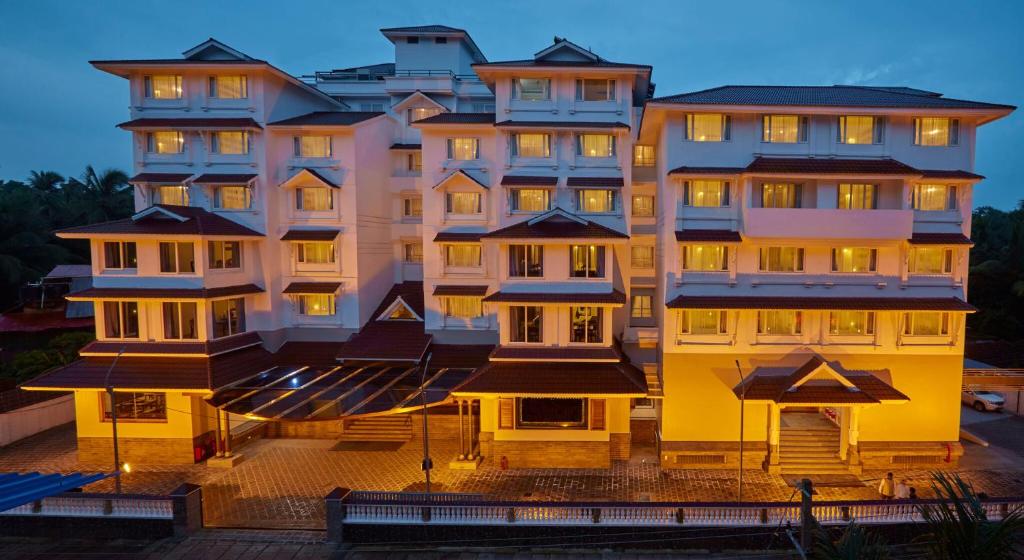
(462, 255)
(706, 258)
(463, 307)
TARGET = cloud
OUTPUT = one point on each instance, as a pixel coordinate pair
(864, 76)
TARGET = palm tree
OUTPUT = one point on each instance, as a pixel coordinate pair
(959, 528)
(46, 181)
(855, 544)
(107, 192)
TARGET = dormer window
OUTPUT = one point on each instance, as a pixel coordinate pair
(314, 199)
(936, 131)
(420, 113)
(463, 203)
(595, 90)
(174, 195)
(165, 142)
(312, 146)
(227, 142)
(531, 145)
(531, 89)
(162, 87)
(229, 87)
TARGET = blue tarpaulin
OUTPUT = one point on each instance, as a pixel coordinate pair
(22, 488)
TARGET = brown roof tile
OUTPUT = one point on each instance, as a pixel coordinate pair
(459, 355)
(389, 341)
(829, 166)
(528, 180)
(166, 293)
(327, 118)
(454, 290)
(956, 174)
(595, 182)
(559, 353)
(698, 171)
(708, 235)
(778, 386)
(168, 178)
(224, 178)
(563, 378)
(613, 297)
(310, 235)
(458, 118)
(215, 346)
(197, 221)
(555, 226)
(561, 124)
(312, 288)
(205, 123)
(821, 303)
(458, 237)
(940, 239)
(401, 146)
(825, 96)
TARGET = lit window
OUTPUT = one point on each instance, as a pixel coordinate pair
(228, 142)
(705, 258)
(314, 305)
(643, 206)
(529, 200)
(643, 156)
(525, 261)
(854, 259)
(315, 252)
(783, 129)
(548, 413)
(706, 194)
(526, 323)
(587, 261)
(595, 145)
(934, 198)
(180, 320)
(641, 306)
(121, 319)
(857, 196)
(642, 256)
(414, 162)
(463, 149)
(926, 323)
(119, 255)
(779, 322)
(314, 199)
(225, 254)
(851, 323)
(462, 255)
(177, 258)
(703, 321)
(412, 207)
(781, 259)
(162, 87)
(531, 145)
(143, 407)
(464, 203)
(420, 113)
(463, 307)
(781, 195)
(587, 324)
(232, 197)
(595, 201)
(931, 260)
(531, 89)
(228, 317)
(312, 146)
(229, 87)
(595, 90)
(707, 127)
(936, 131)
(165, 142)
(173, 195)
(412, 252)
(860, 130)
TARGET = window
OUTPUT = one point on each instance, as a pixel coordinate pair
(483, 107)
(177, 258)
(531, 89)
(781, 195)
(463, 307)
(595, 145)
(857, 196)
(401, 312)
(537, 412)
(706, 194)
(783, 129)
(228, 142)
(420, 113)
(228, 317)
(860, 130)
(707, 127)
(781, 259)
(121, 319)
(232, 197)
(412, 252)
(526, 323)
(934, 198)
(463, 149)
(225, 254)
(643, 206)
(936, 131)
(315, 252)
(926, 323)
(705, 258)
(641, 307)
(931, 260)
(595, 201)
(314, 199)
(371, 107)
(642, 256)
(119, 255)
(463, 203)
(229, 87)
(854, 260)
(180, 320)
(529, 200)
(779, 322)
(587, 261)
(174, 195)
(412, 40)
(414, 162)
(165, 142)
(587, 324)
(463, 255)
(135, 406)
(162, 87)
(595, 90)
(412, 207)
(525, 261)
(851, 323)
(531, 145)
(314, 305)
(643, 156)
(703, 321)
(312, 146)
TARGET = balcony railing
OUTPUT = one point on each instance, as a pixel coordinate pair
(827, 223)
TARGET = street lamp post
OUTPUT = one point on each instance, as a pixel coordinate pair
(743, 399)
(113, 419)
(427, 463)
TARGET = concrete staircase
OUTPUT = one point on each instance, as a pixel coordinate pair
(806, 450)
(396, 427)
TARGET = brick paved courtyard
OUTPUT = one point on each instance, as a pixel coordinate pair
(282, 482)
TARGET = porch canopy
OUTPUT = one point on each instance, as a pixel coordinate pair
(817, 382)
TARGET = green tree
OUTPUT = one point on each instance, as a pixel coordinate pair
(854, 544)
(959, 528)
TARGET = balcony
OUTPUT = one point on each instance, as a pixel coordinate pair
(427, 81)
(828, 223)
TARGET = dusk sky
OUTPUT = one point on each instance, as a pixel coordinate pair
(58, 113)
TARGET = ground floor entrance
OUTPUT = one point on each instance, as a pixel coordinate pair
(810, 442)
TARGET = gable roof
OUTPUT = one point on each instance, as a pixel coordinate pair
(417, 96)
(391, 340)
(309, 173)
(328, 118)
(556, 224)
(207, 49)
(163, 219)
(561, 43)
(457, 174)
(458, 118)
(824, 96)
(817, 381)
(434, 29)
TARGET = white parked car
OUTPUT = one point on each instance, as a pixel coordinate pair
(983, 400)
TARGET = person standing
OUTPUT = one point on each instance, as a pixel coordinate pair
(887, 487)
(902, 490)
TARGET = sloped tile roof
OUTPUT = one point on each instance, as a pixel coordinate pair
(391, 340)
(423, 29)
(328, 118)
(528, 180)
(458, 237)
(459, 290)
(830, 166)
(708, 235)
(224, 178)
(458, 118)
(940, 239)
(824, 96)
(170, 293)
(193, 122)
(779, 387)
(554, 228)
(197, 222)
(595, 182)
(613, 297)
(955, 174)
(170, 178)
(525, 63)
(563, 378)
(208, 347)
(558, 353)
(821, 303)
(560, 124)
(311, 235)
(312, 288)
(691, 170)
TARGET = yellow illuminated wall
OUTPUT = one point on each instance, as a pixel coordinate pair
(181, 422)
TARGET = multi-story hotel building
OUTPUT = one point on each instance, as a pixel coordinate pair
(578, 265)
